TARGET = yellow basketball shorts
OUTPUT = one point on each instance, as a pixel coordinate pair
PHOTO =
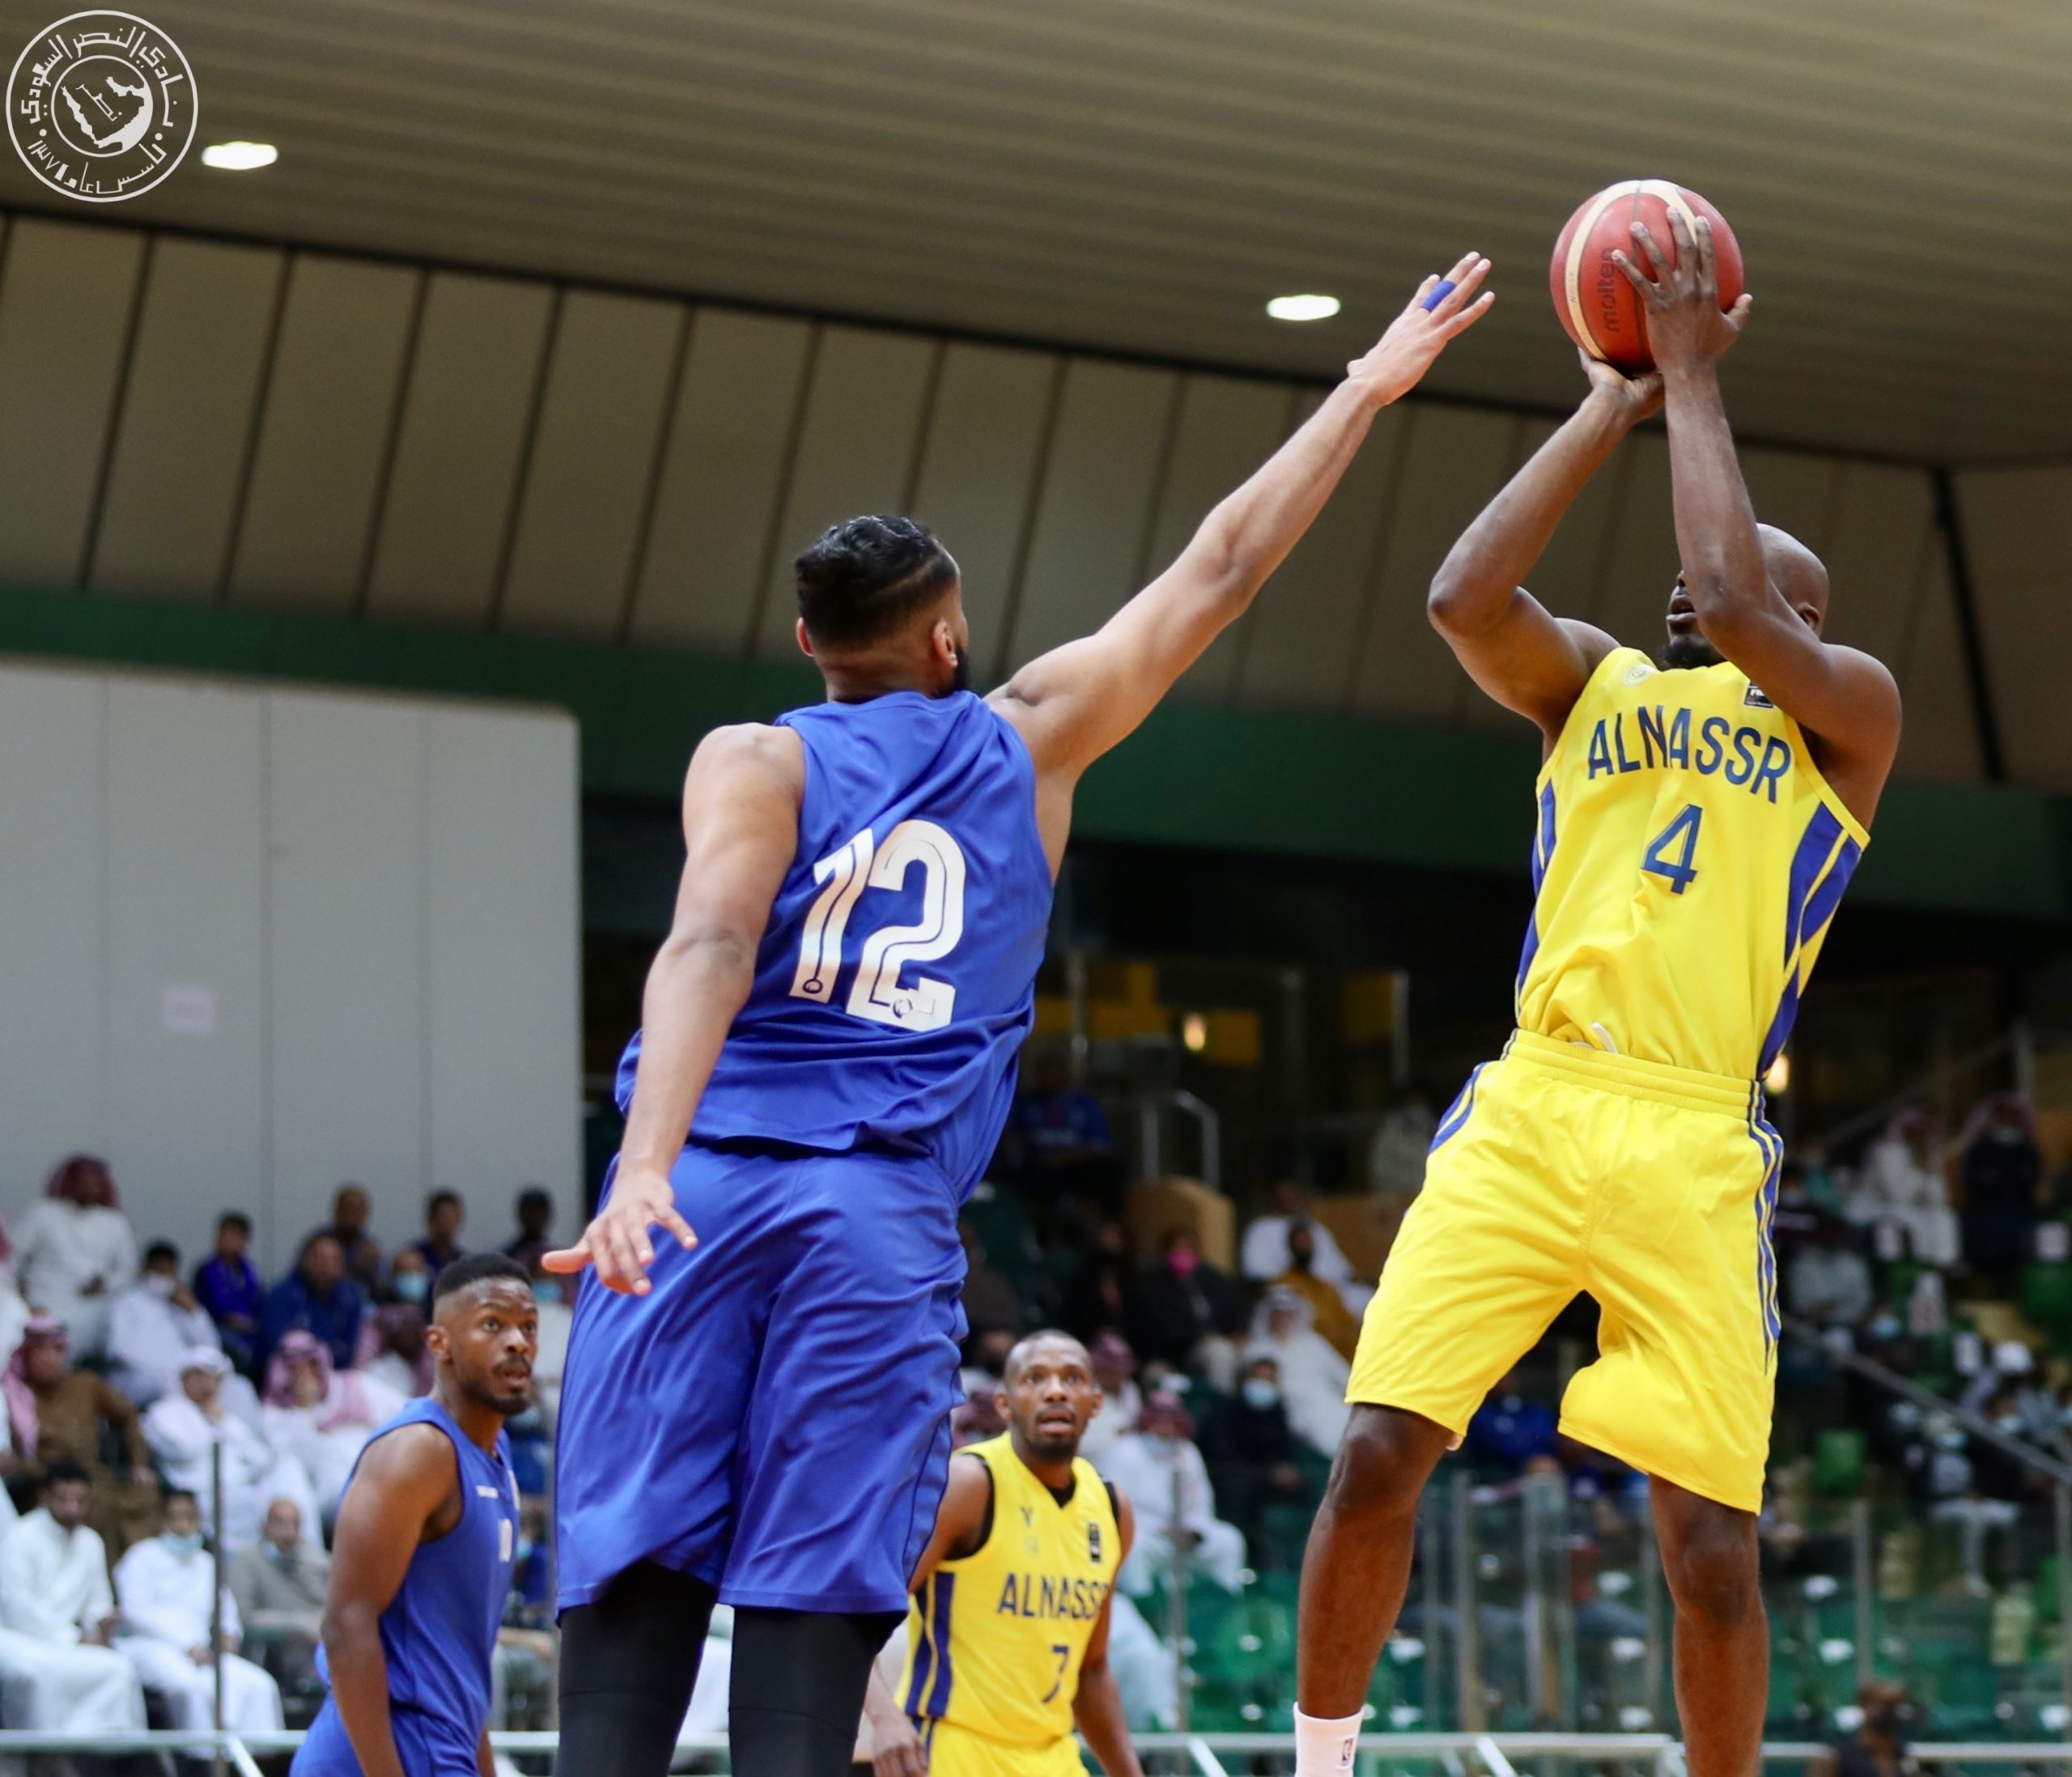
(1559, 1169)
(961, 1752)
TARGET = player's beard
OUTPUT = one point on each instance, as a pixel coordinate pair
(1688, 651)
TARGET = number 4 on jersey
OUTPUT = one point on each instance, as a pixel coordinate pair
(1679, 870)
(876, 993)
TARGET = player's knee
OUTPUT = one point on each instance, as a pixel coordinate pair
(1383, 1462)
(1712, 1566)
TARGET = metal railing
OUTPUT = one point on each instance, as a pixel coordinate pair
(1151, 1116)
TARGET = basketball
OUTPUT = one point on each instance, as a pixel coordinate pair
(1599, 308)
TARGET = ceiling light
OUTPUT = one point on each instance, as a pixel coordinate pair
(240, 156)
(1304, 308)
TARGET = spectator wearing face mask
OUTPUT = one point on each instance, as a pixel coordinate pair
(410, 1280)
(1250, 1451)
(1158, 1467)
(153, 1325)
(535, 1235)
(1313, 1374)
(231, 1290)
(1183, 1311)
(186, 1426)
(279, 1583)
(444, 1215)
(166, 1589)
(1876, 1746)
(1328, 1313)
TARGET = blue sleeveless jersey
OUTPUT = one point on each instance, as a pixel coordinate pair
(895, 981)
(439, 1633)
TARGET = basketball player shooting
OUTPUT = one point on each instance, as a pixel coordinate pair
(757, 1408)
(1698, 819)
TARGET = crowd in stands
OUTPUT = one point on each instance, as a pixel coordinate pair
(139, 1394)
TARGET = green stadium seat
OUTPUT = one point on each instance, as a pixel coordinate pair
(1838, 1463)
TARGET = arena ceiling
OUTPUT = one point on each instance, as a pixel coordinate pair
(1140, 175)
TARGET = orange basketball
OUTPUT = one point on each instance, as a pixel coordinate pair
(1599, 308)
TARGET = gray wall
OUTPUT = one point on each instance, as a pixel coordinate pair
(258, 941)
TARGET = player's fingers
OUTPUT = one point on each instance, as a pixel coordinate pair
(568, 1258)
(1639, 279)
(1651, 250)
(1467, 317)
(1688, 261)
(1740, 309)
(1708, 263)
(1459, 287)
(1426, 286)
(678, 1227)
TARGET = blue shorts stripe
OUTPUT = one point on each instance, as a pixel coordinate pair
(1458, 1112)
(917, 1687)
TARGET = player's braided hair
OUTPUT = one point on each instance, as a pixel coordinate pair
(865, 577)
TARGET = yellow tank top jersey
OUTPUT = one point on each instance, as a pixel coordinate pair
(1688, 858)
(995, 1639)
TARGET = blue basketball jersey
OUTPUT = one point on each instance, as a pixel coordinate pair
(439, 1633)
(895, 981)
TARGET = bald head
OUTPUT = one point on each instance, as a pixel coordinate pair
(1051, 1346)
(1796, 571)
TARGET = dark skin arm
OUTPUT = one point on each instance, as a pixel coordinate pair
(1097, 1708)
(1525, 658)
(1846, 702)
(407, 1491)
(959, 1521)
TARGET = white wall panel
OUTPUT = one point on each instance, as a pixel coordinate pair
(721, 480)
(978, 469)
(457, 463)
(187, 416)
(504, 1013)
(52, 882)
(1794, 491)
(1097, 486)
(186, 984)
(591, 462)
(1228, 425)
(1298, 640)
(2018, 532)
(329, 403)
(63, 376)
(345, 958)
(856, 454)
(1457, 458)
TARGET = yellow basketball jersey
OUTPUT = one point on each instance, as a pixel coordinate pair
(1688, 858)
(995, 1639)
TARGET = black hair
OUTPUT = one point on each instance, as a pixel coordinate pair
(187, 1494)
(865, 577)
(535, 1197)
(161, 1249)
(439, 1199)
(235, 1218)
(64, 1469)
(478, 1267)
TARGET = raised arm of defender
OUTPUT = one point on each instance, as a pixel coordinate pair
(1072, 705)
(1846, 700)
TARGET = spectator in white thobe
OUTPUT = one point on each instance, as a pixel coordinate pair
(75, 1249)
(58, 1672)
(1114, 1365)
(1159, 1468)
(1263, 1256)
(164, 1586)
(153, 1325)
(184, 1426)
(1312, 1371)
(1901, 1182)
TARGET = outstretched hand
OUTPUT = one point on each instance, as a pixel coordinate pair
(618, 1241)
(1636, 396)
(1418, 334)
(1686, 325)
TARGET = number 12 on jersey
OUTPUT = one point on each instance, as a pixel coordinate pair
(1684, 831)
(876, 994)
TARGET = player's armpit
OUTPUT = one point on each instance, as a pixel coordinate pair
(960, 1519)
(1530, 661)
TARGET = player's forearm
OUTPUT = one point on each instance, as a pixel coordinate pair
(880, 1707)
(1717, 541)
(359, 1686)
(1474, 584)
(1249, 533)
(1097, 1710)
(696, 987)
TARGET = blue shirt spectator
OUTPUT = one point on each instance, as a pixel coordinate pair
(229, 1287)
(1057, 1120)
(1510, 1430)
(316, 1298)
(443, 1216)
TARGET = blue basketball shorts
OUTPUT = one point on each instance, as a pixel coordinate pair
(772, 1417)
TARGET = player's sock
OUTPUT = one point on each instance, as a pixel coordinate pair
(628, 1663)
(798, 1684)
(1324, 1744)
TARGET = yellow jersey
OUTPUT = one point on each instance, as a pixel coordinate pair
(995, 1638)
(1686, 860)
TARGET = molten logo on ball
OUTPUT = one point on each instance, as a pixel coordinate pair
(1591, 296)
(102, 106)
